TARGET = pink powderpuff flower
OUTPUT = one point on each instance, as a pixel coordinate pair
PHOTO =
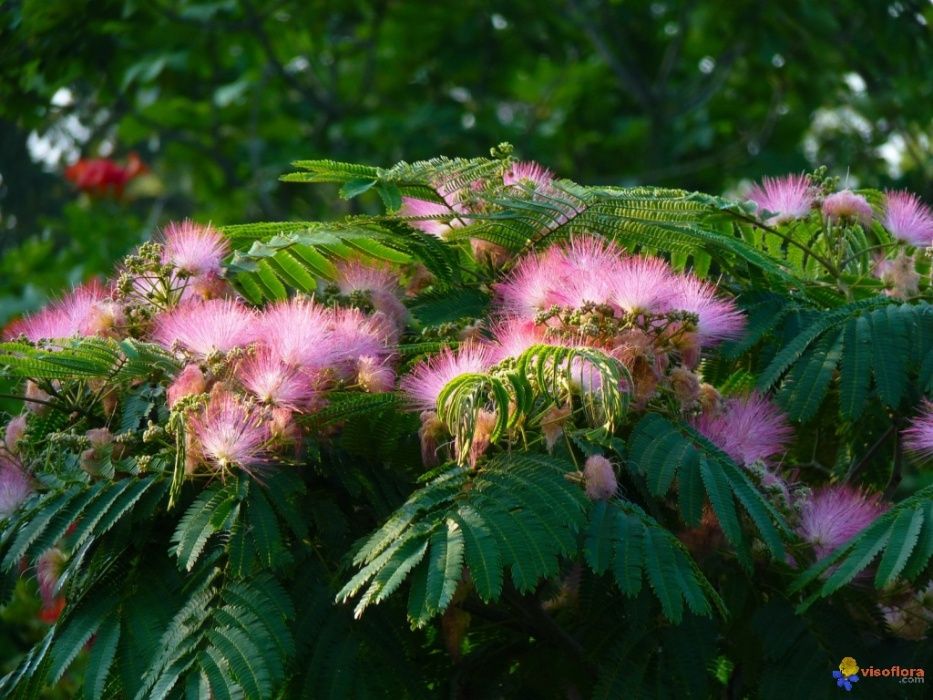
(354, 335)
(189, 381)
(908, 219)
(354, 276)
(382, 285)
(425, 382)
(600, 478)
(298, 333)
(15, 430)
(749, 429)
(275, 383)
(847, 205)
(14, 485)
(64, 318)
(445, 216)
(834, 514)
(719, 319)
(787, 198)
(103, 318)
(534, 284)
(375, 374)
(918, 438)
(514, 336)
(641, 285)
(527, 173)
(195, 249)
(203, 327)
(230, 433)
(592, 256)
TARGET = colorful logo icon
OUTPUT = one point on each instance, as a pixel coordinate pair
(847, 673)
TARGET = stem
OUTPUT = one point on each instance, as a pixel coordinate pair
(825, 262)
(865, 250)
(857, 466)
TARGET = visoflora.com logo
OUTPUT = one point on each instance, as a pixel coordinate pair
(848, 673)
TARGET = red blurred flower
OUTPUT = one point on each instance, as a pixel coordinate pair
(101, 177)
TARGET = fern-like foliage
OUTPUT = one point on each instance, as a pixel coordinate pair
(876, 339)
(297, 255)
(504, 518)
(664, 452)
(623, 539)
(903, 537)
(87, 358)
(548, 373)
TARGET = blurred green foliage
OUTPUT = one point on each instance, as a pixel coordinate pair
(217, 97)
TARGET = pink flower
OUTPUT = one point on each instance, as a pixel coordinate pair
(919, 436)
(787, 198)
(298, 333)
(908, 219)
(274, 382)
(230, 433)
(203, 327)
(533, 285)
(103, 317)
(425, 382)
(195, 249)
(642, 285)
(15, 430)
(719, 319)
(444, 217)
(189, 381)
(375, 374)
(592, 255)
(64, 318)
(14, 485)
(589, 265)
(600, 478)
(527, 173)
(749, 429)
(514, 336)
(847, 205)
(834, 514)
(381, 284)
(354, 335)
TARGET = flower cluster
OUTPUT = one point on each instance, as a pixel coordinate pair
(907, 220)
(589, 293)
(246, 373)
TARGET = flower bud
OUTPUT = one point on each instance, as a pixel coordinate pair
(189, 381)
(600, 478)
(15, 430)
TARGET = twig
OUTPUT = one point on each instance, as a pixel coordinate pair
(856, 467)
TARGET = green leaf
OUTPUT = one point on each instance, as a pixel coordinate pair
(889, 354)
(662, 570)
(245, 661)
(101, 657)
(904, 535)
(856, 367)
(483, 556)
(356, 187)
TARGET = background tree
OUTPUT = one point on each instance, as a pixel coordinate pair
(217, 98)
